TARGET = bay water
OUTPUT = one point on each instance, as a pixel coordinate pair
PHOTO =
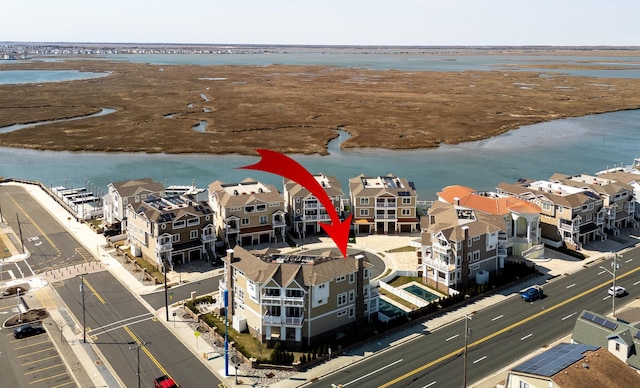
(570, 146)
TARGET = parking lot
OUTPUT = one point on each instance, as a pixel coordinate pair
(32, 361)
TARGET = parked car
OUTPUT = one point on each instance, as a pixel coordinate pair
(164, 382)
(617, 291)
(28, 330)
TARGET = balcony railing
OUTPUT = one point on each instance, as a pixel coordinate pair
(164, 247)
(386, 217)
(208, 237)
(232, 228)
(386, 204)
(568, 226)
(439, 264)
(272, 320)
(293, 321)
(280, 222)
(283, 300)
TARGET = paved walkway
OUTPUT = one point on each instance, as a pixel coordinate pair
(84, 359)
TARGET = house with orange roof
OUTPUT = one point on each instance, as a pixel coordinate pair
(520, 235)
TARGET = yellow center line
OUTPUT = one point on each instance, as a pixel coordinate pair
(36, 225)
(100, 298)
(504, 330)
(144, 349)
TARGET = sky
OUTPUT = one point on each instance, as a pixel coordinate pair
(327, 22)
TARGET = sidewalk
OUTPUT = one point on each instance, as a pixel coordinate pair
(555, 266)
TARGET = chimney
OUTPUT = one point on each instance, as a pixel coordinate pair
(456, 201)
(230, 255)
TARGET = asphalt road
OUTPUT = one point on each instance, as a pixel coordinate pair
(498, 335)
(116, 320)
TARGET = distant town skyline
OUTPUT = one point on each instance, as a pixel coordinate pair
(352, 22)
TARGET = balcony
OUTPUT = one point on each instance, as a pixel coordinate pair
(232, 228)
(386, 204)
(439, 264)
(310, 205)
(164, 247)
(568, 226)
(386, 217)
(272, 320)
(282, 300)
(293, 321)
(278, 222)
(210, 237)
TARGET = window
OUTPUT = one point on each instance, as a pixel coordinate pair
(341, 279)
(295, 293)
(589, 217)
(193, 221)
(476, 238)
(175, 238)
(352, 277)
(193, 234)
(249, 209)
(469, 242)
(244, 221)
(352, 296)
(342, 299)
(352, 312)
(364, 201)
(341, 313)
(523, 384)
(591, 206)
(261, 208)
(406, 200)
(272, 291)
(366, 273)
(179, 224)
(263, 220)
(547, 206)
(274, 204)
(406, 212)
(235, 209)
(364, 212)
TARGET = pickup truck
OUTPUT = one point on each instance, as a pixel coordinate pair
(532, 293)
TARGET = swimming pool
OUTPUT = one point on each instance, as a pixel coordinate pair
(389, 309)
(421, 293)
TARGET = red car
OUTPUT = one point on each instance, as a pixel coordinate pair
(164, 382)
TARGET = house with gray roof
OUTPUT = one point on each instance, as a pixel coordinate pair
(247, 212)
(299, 300)
(620, 338)
(305, 212)
(383, 204)
(121, 194)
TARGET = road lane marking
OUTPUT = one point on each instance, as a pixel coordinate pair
(430, 384)
(498, 317)
(506, 329)
(84, 280)
(525, 337)
(568, 316)
(600, 273)
(43, 369)
(144, 349)
(93, 331)
(628, 260)
(606, 297)
(571, 285)
(636, 283)
(37, 227)
(369, 374)
(480, 359)
(452, 337)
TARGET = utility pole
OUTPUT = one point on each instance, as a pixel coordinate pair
(20, 230)
(613, 296)
(166, 295)
(138, 353)
(467, 317)
(84, 322)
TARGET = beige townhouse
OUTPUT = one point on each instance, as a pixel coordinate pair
(459, 246)
(383, 204)
(520, 234)
(629, 176)
(299, 300)
(171, 230)
(570, 215)
(305, 211)
(247, 213)
(121, 194)
(617, 199)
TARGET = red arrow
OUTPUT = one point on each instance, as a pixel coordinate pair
(279, 164)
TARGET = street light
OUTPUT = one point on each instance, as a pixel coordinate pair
(166, 295)
(138, 352)
(613, 297)
(467, 317)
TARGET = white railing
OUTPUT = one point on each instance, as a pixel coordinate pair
(272, 320)
(297, 321)
(439, 264)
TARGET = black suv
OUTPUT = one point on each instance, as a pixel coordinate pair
(27, 331)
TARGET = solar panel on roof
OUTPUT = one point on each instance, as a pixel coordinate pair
(555, 359)
(610, 325)
(600, 321)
